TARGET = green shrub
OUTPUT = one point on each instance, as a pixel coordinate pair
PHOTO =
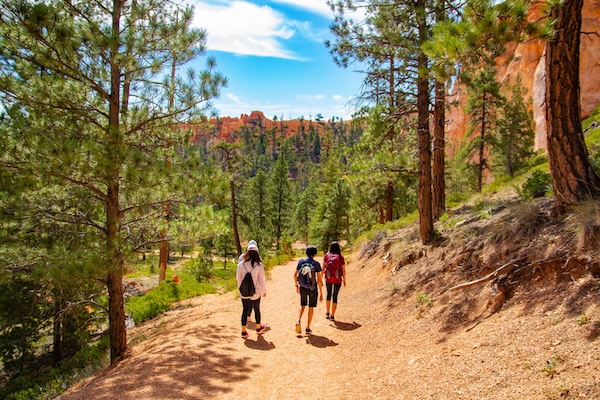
(537, 185)
(424, 299)
(159, 299)
(200, 267)
(277, 259)
(286, 245)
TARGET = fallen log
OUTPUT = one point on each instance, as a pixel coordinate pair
(506, 268)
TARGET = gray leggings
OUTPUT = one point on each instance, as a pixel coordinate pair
(336, 289)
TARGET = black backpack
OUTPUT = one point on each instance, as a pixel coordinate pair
(247, 286)
(307, 275)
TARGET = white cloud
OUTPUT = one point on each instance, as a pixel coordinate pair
(315, 6)
(235, 98)
(307, 30)
(340, 99)
(311, 97)
(244, 28)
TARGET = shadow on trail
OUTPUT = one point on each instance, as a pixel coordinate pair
(346, 326)
(259, 344)
(176, 368)
(320, 341)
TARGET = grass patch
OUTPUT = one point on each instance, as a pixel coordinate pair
(582, 319)
(396, 224)
(140, 267)
(160, 299)
(424, 299)
(276, 259)
(550, 369)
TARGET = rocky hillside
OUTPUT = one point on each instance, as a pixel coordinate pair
(506, 303)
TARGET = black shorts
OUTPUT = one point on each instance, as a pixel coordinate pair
(308, 297)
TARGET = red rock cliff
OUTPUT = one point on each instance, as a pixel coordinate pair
(527, 60)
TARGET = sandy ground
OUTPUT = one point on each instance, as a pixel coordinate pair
(382, 346)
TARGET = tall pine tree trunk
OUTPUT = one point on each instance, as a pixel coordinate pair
(573, 179)
(57, 331)
(423, 133)
(438, 201)
(439, 149)
(509, 156)
(116, 307)
(163, 257)
(389, 201)
(482, 145)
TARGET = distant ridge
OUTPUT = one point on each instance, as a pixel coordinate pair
(226, 128)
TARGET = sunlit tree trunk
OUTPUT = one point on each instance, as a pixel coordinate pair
(573, 179)
(424, 136)
(116, 308)
(439, 142)
(439, 148)
(482, 133)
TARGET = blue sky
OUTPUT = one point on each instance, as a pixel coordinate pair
(274, 56)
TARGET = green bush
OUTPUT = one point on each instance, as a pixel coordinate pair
(200, 267)
(159, 299)
(277, 259)
(537, 185)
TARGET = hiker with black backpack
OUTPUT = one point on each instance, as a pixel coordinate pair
(251, 282)
(309, 285)
(335, 274)
(241, 259)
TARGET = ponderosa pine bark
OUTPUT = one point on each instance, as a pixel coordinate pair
(481, 150)
(114, 279)
(438, 201)
(439, 148)
(389, 201)
(423, 133)
(573, 178)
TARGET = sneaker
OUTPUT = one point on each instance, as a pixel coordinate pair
(261, 328)
(326, 315)
(331, 317)
(245, 335)
(308, 331)
(298, 328)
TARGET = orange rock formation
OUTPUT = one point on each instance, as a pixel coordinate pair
(527, 61)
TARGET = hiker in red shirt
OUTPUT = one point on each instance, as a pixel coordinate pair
(334, 266)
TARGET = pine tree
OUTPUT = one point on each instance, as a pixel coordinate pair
(331, 217)
(258, 208)
(280, 197)
(88, 107)
(231, 160)
(483, 104)
(390, 41)
(514, 144)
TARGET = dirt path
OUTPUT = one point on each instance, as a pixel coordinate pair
(197, 353)
(382, 346)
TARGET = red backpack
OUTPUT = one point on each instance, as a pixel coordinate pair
(333, 268)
